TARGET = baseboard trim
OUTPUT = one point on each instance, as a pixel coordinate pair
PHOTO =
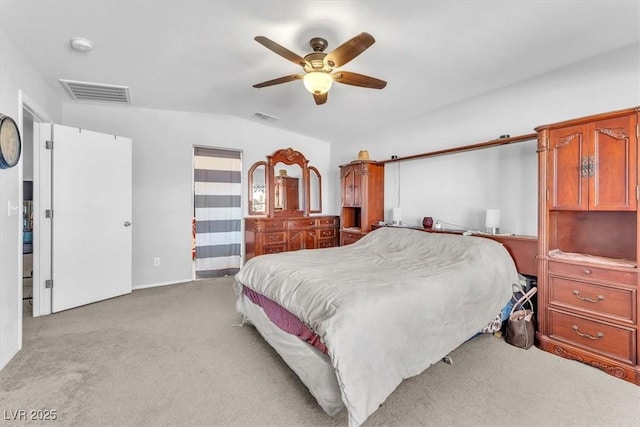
(155, 285)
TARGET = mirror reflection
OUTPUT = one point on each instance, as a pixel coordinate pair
(288, 187)
(258, 189)
(315, 193)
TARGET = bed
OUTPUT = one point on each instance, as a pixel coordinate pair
(375, 312)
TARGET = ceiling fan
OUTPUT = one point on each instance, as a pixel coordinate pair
(319, 67)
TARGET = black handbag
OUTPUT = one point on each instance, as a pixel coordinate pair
(521, 323)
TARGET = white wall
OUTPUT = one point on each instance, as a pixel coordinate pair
(16, 74)
(458, 188)
(163, 173)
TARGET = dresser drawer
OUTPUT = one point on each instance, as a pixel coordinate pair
(273, 225)
(327, 233)
(608, 340)
(618, 303)
(270, 238)
(328, 222)
(348, 237)
(592, 273)
(274, 249)
(301, 224)
(326, 243)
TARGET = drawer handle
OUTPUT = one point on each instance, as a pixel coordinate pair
(585, 335)
(587, 299)
(586, 271)
(274, 238)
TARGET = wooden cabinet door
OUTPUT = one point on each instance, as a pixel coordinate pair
(295, 240)
(594, 166)
(351, 186)
(568, 168)
(612, 164)
(310, 239)
(301, 239)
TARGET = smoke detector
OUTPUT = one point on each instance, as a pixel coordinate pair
(80, 44)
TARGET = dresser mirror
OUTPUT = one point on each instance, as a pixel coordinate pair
(315, 190)
(284, 185)
(288, 194)
(258, 189)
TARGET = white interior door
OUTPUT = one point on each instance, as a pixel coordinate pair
(91, 228)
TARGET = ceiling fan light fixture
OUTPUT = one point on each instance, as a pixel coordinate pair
(319, 67)
(317, 82)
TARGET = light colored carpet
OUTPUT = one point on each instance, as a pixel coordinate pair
(173, 356)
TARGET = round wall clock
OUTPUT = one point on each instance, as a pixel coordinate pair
(10, 143)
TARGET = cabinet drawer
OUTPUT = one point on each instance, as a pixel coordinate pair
(273, 225)
(274, 238)
(618, 303)
(348, 237)
(327, 233)
(297, 224)
(274, 249)
(326, 243)
(592, 273)
(327, 222)
(608, 340)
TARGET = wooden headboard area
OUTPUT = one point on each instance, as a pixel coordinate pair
(523, 250)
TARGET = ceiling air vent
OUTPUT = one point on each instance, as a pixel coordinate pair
(265, 117)
(86, 91)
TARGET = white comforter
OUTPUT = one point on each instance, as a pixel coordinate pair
(389, 305)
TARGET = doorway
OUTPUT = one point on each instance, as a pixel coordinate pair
(217, 212)
(92, 234)
(27, 241)
(30, 115)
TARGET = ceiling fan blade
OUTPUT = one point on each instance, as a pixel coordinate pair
(320, 99)
(280, 50)
(355, 79)
(279, 80)
(349, 50)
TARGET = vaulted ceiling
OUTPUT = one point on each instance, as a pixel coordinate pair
(200, 56)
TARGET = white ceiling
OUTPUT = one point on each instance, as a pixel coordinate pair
(200, 55)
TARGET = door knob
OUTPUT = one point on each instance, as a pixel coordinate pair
(127, 224)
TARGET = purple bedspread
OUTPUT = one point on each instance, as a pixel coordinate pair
(284, 320)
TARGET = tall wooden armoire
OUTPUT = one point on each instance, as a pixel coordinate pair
(362, 205)
(588, 241)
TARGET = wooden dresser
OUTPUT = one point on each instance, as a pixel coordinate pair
(268, 235)
(588, 241)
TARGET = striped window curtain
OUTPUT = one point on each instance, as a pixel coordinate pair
(218, 212)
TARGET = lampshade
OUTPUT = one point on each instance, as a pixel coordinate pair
(317, 82)
(492, 222)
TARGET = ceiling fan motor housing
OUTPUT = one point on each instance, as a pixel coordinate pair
(315, 62)
(318, 44)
